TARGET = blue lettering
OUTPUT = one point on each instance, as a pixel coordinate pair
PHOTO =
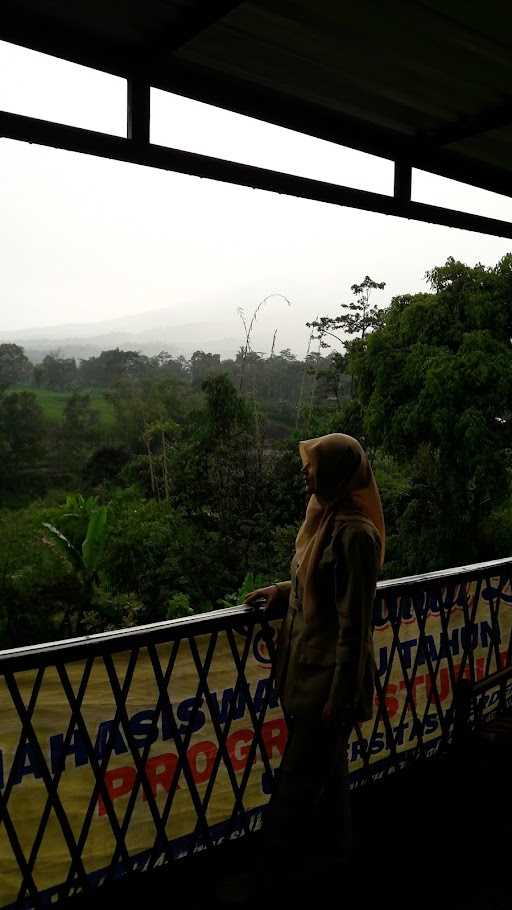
(185, 712)
(376, 743)
(434, 603)
(406, 608)
(406, 648)
(449, 642)
(382, 664)
(359, 748)
(469, 637)
(227, 699)
(58, 753)
(427, 643)
(431, 723)
(489, 633)
(27, 762)
(103, 737)
(265, 690)
(143, 727)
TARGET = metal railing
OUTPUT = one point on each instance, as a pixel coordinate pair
(126, 750)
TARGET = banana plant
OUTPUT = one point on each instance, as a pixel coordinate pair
(86, 558)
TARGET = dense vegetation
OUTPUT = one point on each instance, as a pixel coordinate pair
(136, 488)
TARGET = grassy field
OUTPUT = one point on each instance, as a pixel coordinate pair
(53, 404)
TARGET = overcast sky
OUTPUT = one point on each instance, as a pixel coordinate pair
(82, 239)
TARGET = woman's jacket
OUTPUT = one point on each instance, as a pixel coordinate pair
(331, 657)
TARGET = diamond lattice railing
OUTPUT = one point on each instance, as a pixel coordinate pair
(128, 750)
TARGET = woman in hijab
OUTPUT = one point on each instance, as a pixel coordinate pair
(324, 663)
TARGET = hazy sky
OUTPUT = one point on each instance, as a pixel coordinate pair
(82, 239)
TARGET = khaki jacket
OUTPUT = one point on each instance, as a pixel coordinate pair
(331, 659)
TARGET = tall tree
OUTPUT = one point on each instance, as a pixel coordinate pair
(435, 386)
(79, 430)
(112, 366)
(357, 318)
(22, 439)
(55, 372)
(15, 367)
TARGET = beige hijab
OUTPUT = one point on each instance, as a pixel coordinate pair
(346, 493)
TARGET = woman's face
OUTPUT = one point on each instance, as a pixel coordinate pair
(309, 479)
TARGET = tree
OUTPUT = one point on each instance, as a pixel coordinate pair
(15, 367)
(22, 439)
(138, 404)
(54, 372)
(112, 366)
(435, 387)
(84, 549)
(203, 365)
(358, 317)
(80, 429)
(217, 481)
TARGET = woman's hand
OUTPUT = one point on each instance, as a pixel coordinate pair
(267, 597)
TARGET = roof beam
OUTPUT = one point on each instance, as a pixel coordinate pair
(138, 110)
(403, 181)
(260, 102)
(282, 109)
(42, 132)
(494, 118)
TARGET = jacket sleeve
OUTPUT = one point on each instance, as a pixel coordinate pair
(355, 571)
(284, 590)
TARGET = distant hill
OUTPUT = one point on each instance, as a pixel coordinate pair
(149, 333)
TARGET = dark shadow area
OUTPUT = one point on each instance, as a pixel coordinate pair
(437, 835)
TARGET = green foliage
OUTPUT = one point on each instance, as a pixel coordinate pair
(250, 583)
(56, 373)
(178, 606)
(109, 611)
(15, 367)
(358, 317)
(53, 404)
(22, 443)
(199, 464)
(435, 387)
(113, 366)
(86, 557)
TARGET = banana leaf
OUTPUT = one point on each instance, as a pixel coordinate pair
(65, 546)
(94, 544)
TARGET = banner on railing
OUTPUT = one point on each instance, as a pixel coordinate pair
(200, 716)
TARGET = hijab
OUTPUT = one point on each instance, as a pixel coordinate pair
(346, 493)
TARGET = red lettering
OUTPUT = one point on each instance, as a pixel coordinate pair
(391, 704)
(201, 754)
(238, 744)
(274, 733)
(118, 782)
(160, 772)
(480, 668)
(418, 681)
